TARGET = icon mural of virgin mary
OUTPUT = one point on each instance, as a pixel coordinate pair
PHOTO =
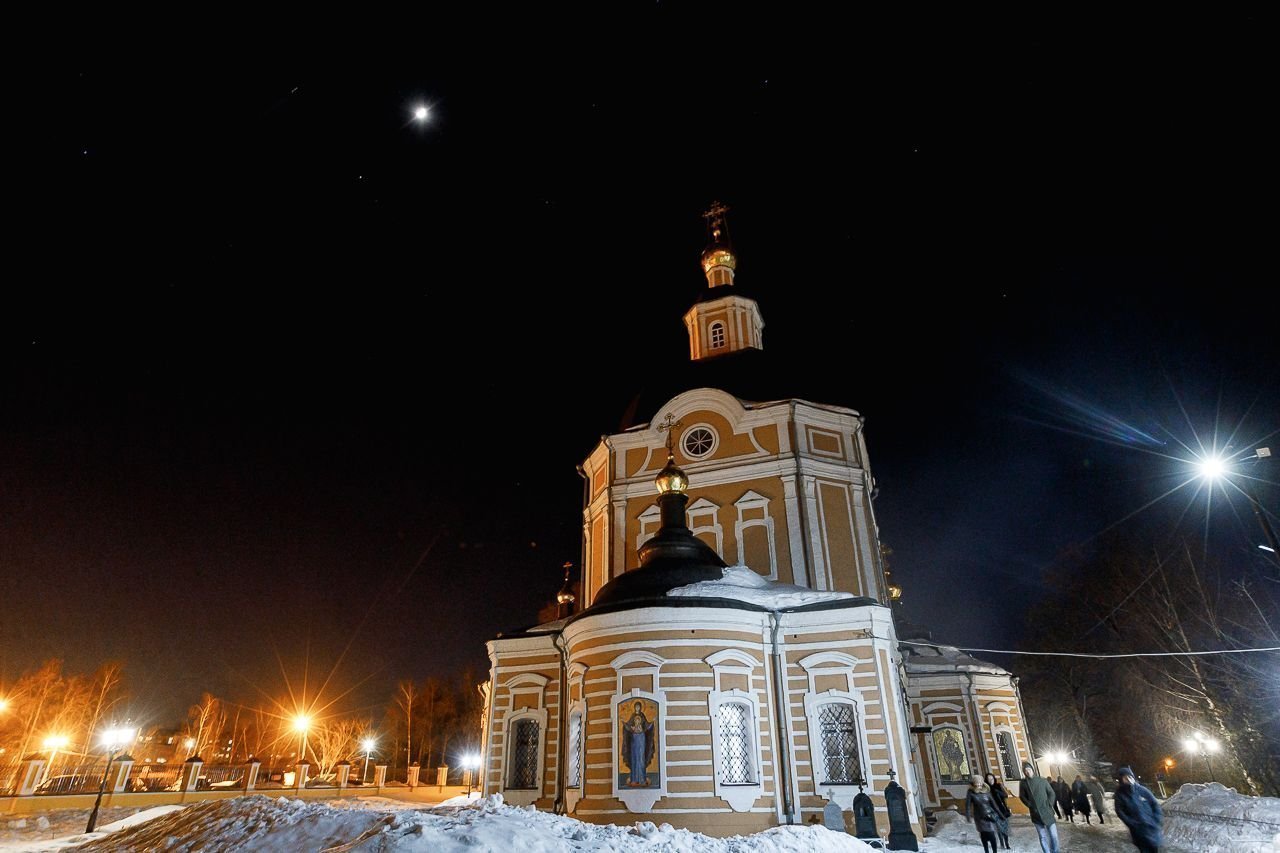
(639, 743)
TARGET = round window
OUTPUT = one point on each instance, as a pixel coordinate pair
(699, 442)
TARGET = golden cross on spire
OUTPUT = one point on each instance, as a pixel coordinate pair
(715, 219)
(668, 425)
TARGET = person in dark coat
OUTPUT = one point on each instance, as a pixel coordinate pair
(1063, 792)
(1080, 798)
(981, 809)
(1038, 797)
(1098, 796)
(1000, 796)
(1137, 809)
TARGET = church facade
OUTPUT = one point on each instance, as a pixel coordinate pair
(735, 662)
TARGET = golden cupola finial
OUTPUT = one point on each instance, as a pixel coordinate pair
(671, 479)
(718, 261)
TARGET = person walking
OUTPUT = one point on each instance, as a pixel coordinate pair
(1038, 797)
(1098, 796)
(1063, 792)
(1137, 809)
(981, 809)
(1080, 798)
(1000, 796)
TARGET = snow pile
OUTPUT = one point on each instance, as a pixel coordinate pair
(742, 584)
(260, 823)
(1215, 819)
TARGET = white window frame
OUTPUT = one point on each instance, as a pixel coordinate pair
(740, 796)
(752, 500)
(816, 665)
(715, 441)
(524, 796)
(700, 509)
(996, 711)
(712, 328)
(650, 522)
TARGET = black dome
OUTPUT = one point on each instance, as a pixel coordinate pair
(671, 559)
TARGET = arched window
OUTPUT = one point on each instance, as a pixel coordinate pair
(838, 732)
(735, 722)
(573, 775)
(522, 770)
(1008, 754)
(717, 335)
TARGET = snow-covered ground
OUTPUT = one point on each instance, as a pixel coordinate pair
(1202, 824)
(1215, 819)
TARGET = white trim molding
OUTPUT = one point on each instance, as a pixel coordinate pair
(813, 703)
(523, 796)
(751, 501)
(639, 800)
(740, 796)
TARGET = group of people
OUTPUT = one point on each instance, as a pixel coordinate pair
(987, 806)
(1073, 798)
(1135, 806)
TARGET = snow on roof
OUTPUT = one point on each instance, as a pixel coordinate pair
(742, 584)
(266, 825)
(932, 657)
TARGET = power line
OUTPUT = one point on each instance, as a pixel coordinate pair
(1100, 657)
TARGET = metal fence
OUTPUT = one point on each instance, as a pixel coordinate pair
(82, 778)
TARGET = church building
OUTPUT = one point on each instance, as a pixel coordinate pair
(733, 661)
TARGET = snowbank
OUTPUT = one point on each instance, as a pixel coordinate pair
(1215, 819)
(260, 823)
(742, 584)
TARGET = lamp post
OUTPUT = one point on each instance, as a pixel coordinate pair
(368, 744)
(470, 762)
(1214, 468)
(1204, 746)
(115, 740)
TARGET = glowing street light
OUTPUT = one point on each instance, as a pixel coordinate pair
(1201, 744)
(301, 724)
(470, 763)
(420, 113)
(114, 740)
(1214, 468)
(190, 744)
(367, 745)
(53, 743)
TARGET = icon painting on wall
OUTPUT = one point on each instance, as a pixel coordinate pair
(638, 765)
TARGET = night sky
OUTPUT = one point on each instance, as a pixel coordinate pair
(290, 377)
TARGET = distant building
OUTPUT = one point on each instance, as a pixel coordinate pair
(730, 661)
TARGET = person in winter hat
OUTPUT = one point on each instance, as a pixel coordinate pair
(1137, 809)
(1039, 798)
(979, 808)
(999, 796)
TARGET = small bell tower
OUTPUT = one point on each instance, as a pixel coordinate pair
(722, 322)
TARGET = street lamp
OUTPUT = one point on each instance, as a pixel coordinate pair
(368, 744)
(470, 762)
(300, 724)
(1204, 746)
(1214, 468)
(115, 740)
(53, 743)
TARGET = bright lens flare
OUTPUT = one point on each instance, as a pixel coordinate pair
(301, 723)
(368, 745)
(420, 113)
(1212, 467)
